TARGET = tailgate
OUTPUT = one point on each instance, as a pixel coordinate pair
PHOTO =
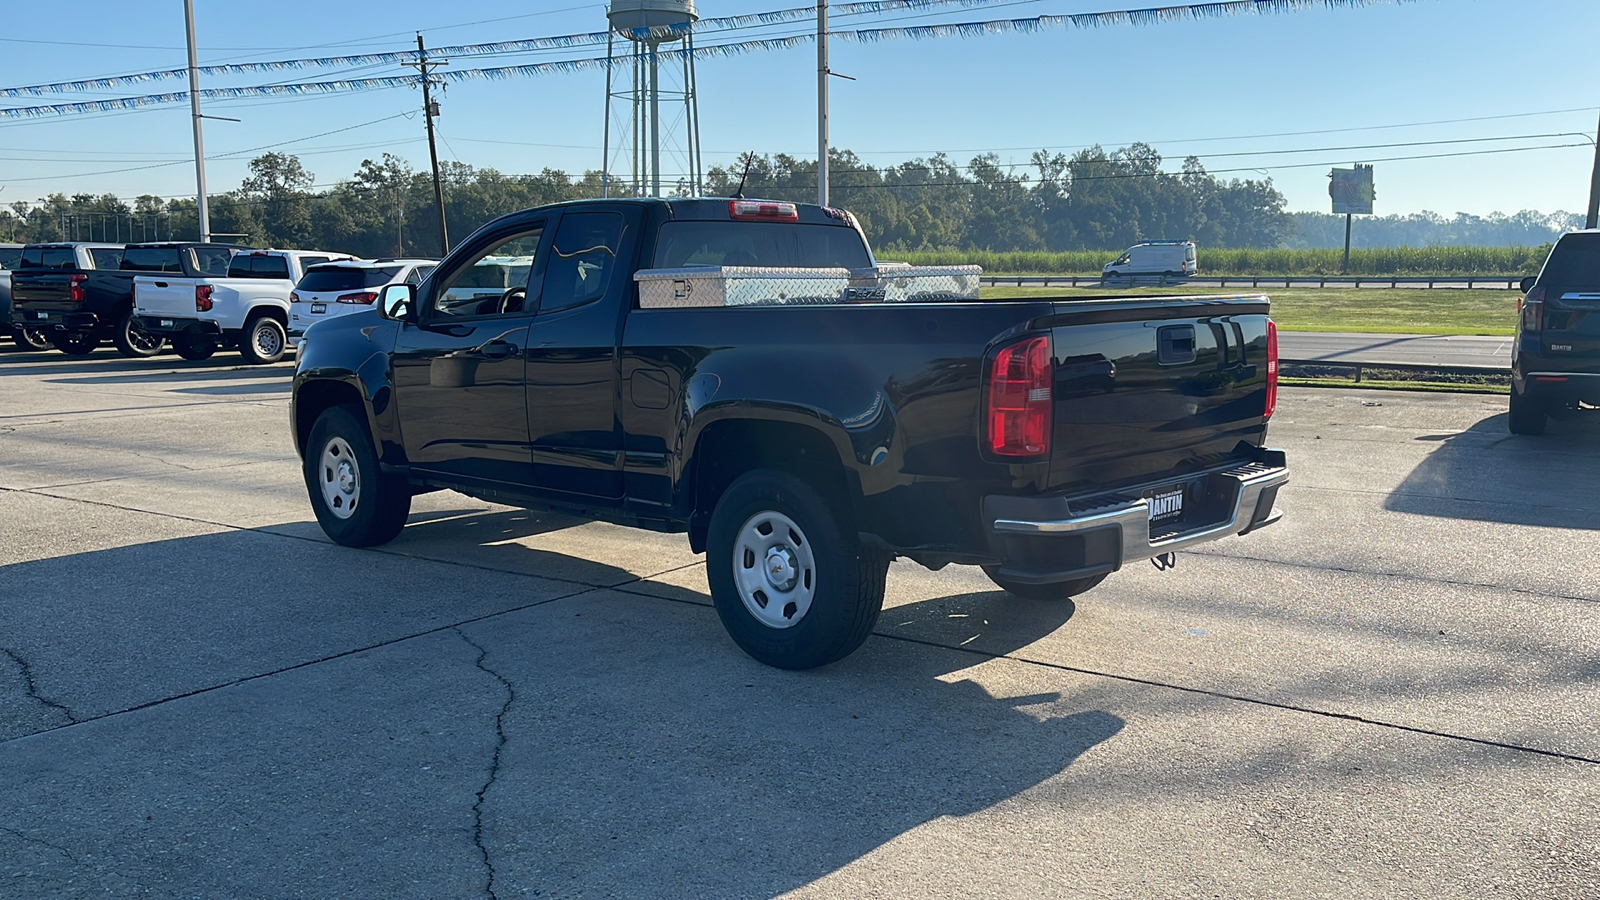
(1147, 390)
(1572, 328)
(43, 290)
(158, 295)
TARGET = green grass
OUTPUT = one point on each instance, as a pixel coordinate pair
(1393, 311)
(1378, 261)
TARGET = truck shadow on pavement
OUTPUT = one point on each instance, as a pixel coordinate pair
(1485, 473)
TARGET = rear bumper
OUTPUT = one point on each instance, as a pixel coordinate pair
(179, 325)
(55, 320)
(1561, 387)
(1041, 540)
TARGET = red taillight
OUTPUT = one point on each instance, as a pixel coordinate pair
(1532, 309)
(75, 283)
(364, 297)
(763, 210)
(1272, 369)
(1019, 399)
(202, 298)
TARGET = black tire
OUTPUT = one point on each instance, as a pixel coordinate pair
(842, 583)
(1528, 415)
(194, 347)
(133, 341)
(73, 343)
(29, 338)
(1110, 275)
(362, 506)
(1060, 590)
(263, 341)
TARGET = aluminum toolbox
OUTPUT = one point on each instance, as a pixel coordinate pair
(711, 286)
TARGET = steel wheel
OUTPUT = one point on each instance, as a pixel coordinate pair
(339, 477)
(774, 569)
(263, 341)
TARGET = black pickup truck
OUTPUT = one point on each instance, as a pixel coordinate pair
(1555, 359)
(802, 442)
(79, 294)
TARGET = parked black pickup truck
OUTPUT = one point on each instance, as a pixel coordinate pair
(80, 294)
(802, 442)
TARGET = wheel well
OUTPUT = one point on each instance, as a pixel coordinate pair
(313, 398)
(272, 311)
(726, 450)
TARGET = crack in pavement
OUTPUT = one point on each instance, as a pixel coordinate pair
(494, 765)
(23, 836)
(31, 688)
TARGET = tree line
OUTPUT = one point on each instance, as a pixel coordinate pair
(1089, 200)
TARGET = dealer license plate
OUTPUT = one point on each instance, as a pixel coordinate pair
(1165, 505)
(318, 309)
(165, 323)
(40, 315)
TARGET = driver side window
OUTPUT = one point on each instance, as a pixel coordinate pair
(494, 282)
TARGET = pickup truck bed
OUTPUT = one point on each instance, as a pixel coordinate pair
(802, 442)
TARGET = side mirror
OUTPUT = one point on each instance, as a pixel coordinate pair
(398, 302)
(1527, 283)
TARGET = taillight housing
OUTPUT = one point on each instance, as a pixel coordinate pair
(1019, 410)
(75, 286)
(1272, 369)
(1532, 309)
(763, 211)
(294, 297)
(202, 298)
(365, 297)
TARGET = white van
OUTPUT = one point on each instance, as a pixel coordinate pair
(1169, 258)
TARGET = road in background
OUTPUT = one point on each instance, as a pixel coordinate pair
(201, 696)
(1405, 349)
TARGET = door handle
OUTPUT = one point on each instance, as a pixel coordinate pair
(161, 284)
(497, 350)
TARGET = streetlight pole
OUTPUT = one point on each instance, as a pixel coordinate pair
(1594, 185)
(194, 111)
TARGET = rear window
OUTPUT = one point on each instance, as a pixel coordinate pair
(1574, 263)
(759, 244)
(106, 257)
(249, 265)
(346, 278)
(152, 259)
(48, 258)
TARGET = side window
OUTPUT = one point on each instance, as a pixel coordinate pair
(212, 260)
(582, 259)
(493, 283)
(306, 262)
(106, 257)
(418, 274)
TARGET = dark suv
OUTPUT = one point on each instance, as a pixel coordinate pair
(1555, 361)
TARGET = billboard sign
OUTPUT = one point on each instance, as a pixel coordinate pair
(1352, 190)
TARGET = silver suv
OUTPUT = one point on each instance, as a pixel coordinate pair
(336, 289)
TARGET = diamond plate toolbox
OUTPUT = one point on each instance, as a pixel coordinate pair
(712, 286)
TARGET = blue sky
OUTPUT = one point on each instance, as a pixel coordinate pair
(1309, 89)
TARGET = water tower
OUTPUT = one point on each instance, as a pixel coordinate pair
(651, 121)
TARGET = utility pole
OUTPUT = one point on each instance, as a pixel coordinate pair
(429, 111)
(822, 102)
(194, 111)
(1594, 186)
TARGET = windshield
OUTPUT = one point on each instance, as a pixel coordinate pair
(764, 244)
(345, 278)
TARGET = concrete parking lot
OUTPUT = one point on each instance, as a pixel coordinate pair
(1391, 693)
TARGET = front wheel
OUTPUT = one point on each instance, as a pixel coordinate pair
(1528, 416)
(356, 504)
(30, 338)
(263, 341)
(74, 343)
(1060, 590)
(133, 341)
(794, 587)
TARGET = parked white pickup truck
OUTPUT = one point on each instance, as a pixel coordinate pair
(247, 310)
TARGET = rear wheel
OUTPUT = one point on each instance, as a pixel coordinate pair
(356, 503)
(30, 338)
(1528, 415)
(194, 347)
(73, 343)
(263, 340)
(1060, 590)
(133, 341)
(792, 584)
